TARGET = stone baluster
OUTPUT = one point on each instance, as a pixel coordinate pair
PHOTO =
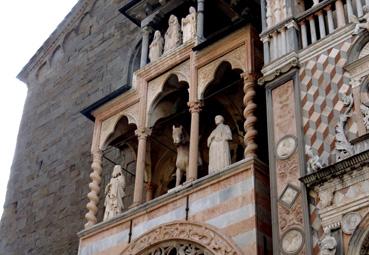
(328, 9)
(142, 134)
(322, 31)
(292, 41)
(340, 13)
(304, 37)
(266, 44)
(200, 20)
(195, 108)
(94, 186)
(312, 29)
(350, 11)
(359, 8)
(145, 45)
(249, 115)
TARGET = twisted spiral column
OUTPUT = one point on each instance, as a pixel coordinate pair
(94, 186)
(248, 113)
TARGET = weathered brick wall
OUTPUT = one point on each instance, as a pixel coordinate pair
(46, 198)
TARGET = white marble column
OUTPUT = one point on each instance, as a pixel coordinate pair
(195, 108)
(142, 134)
(94, 186)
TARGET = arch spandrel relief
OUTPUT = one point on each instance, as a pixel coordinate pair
(108, 125)
(199, 235)
(237, 58)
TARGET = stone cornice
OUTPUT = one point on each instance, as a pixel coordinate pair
(336, 170)
(56, 38)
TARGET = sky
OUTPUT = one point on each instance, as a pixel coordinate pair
(24, 26)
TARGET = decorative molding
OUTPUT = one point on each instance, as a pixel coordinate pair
(197, 233)
(278, 67)
(336, 170)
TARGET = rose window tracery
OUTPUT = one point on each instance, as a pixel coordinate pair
(176, 248)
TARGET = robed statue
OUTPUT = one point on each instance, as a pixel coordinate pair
(173, 36)
(219, 154)
(156, 47)
(114, 194)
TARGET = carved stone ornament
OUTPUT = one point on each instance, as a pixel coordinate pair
(362, 23)
(292, 241)
(328, 244)
(314, 163)
(350, 221)
(176, 248)
(344, 148)
(286, 147)
(199, 234)
(289, 195)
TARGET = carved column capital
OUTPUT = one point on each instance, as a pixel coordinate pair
(195, 106)
(143, 133)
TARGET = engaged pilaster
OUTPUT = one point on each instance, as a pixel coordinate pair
(248, 113)
(142, 134)
(200, 20)
(94, 185)
(195, 108)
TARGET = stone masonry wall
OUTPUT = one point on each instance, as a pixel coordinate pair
(46, 197)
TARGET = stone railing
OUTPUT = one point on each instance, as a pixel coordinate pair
(316, 23)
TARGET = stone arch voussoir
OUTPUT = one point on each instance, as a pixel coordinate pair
(202, 234)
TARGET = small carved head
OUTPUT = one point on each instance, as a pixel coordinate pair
(179, 136)
(157, 35)
(219, 119)
(172, 20)
(192, 10)
(117, 171)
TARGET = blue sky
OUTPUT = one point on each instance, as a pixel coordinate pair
(25, 25)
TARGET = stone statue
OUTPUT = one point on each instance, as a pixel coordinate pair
(180, 140)
(219, 154)
(189, 25)
(361, 22)
(313, 164)
(114, 194)
(156, 46)
(328, 244)
(173, 37)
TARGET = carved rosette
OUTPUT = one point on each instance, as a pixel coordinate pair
(203, 235)
(94, 186)
(248, 113)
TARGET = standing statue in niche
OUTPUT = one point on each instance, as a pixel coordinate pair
(156, 46)
(173, 37)
(180, 140)
(114, 194)
(328, 244)
(219, 154)
(189, 25)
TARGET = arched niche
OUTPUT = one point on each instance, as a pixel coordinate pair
(359, 242)
(223, 96)
(204, 237)
(119, 148)
(168, 108)
(236, 58)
